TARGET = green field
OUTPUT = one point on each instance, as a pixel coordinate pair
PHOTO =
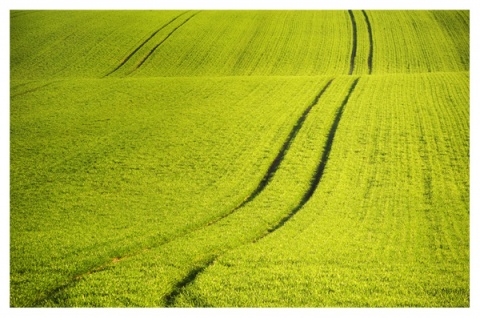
(239, 158)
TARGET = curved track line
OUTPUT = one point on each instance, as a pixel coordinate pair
(354, 47)
(279, 158)
(188, 279)
(370, 39)
(161, 42)
(125, 60)
(192, 275)
(32, 89)
(320, 168)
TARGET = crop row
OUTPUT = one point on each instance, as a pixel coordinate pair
(389, 224)
(127, 166)
(171, 265)
(215, 43)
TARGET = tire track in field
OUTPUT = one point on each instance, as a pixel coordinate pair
(187, 280)
(279, 158)
(370, 39)
(125, 60)
(32, 89)
(161, 42)
(193, 274)
(317, 177)
(354, 42)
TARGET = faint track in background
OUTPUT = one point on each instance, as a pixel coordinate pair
(161, 42)
(125, 60)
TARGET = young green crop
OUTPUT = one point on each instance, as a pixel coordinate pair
(420, 41)
(182, 258)
(389, 224)
(132, 164)
(171, 158)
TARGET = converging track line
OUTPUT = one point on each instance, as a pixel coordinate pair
(279, 158)
(192, 275)
(161, 42)
(354, 42)
(320, 168)
(125, 60)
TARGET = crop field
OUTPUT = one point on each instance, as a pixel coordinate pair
(239, 158)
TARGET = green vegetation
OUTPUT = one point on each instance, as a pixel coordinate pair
(239, 158)
(387, 225)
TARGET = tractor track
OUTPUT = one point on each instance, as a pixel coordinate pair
(354, 42)
(31, 90)
(193, 274)
(320, 168)
(161, 42)
(125, 60)
(279, 158)
(370, 39)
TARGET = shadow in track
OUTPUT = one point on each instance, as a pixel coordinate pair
(354, 42)
(279, 158)
(192, 275)
(320, 168)
(370, 39)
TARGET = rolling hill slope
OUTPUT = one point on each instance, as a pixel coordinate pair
(239, 158)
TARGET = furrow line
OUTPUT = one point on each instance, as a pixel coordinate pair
(32, 89)
(125, 60)
(161, 42)
(187, 280)
(320, 168)
(279, 158)
(370, 39)
(192, 275)
(354, 42)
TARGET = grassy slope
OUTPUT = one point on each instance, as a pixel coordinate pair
(88, 154)
(420, 41)
(174, 260)
(60, 44)
(255, 43)
(108, 173)
(388, 225)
